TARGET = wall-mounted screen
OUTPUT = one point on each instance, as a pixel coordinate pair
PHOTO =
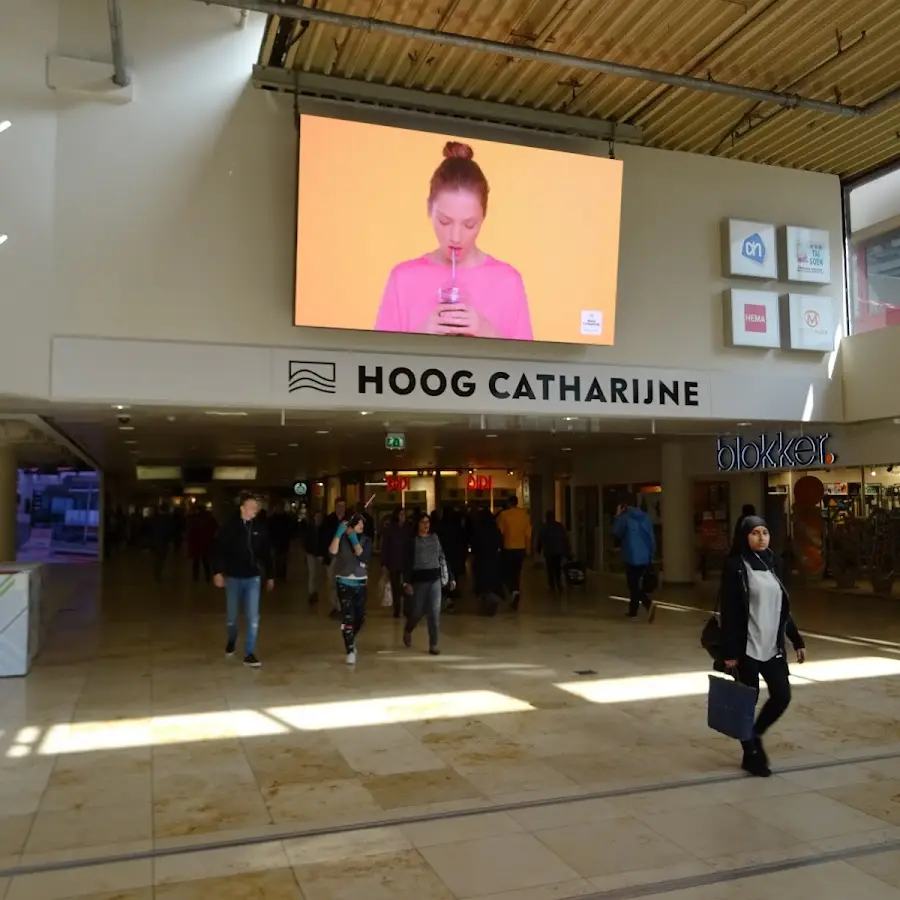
(409, 231)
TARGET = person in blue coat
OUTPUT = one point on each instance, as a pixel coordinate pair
(633, 528)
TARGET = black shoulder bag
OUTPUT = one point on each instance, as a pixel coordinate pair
(711, 636)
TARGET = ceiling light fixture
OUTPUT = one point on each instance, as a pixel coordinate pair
(120, 406)
(640, 439)
(4, 238)
(566, 449)
(744, 424)
(5, 125)
(130, 442)
(365, 412)
(570, 418)
(490, 435)
(126, 428)
(322, 431)
(293, 445)
(217, 412)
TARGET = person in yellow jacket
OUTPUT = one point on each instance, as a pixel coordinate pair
(515, 528)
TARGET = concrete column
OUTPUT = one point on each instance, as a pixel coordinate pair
(9, 479)
(748, 487)
(677, 517)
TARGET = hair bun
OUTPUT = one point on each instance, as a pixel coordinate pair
(457, 150)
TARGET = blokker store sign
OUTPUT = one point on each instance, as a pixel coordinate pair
(451, 384)
(775, 451)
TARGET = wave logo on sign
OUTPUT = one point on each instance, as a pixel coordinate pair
(754, 248)
(320, 377)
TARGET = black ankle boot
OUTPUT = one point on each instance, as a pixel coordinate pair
(755, 763)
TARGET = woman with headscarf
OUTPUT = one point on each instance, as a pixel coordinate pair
(755, 622)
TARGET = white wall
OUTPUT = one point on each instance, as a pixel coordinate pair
(873, 203)
(871, 374)
(174, 216)
(27, 195)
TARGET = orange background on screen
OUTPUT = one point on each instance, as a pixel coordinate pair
(362, 209)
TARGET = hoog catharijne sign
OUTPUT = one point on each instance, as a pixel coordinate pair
(773, 451)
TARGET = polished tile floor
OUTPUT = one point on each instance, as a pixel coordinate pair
(542, 756)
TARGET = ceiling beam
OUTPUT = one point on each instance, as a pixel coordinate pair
(607, 67)
(331, 90)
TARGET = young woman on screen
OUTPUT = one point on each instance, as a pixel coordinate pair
(457, 289)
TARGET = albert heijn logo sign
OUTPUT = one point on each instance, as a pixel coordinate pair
(754, 249)
(776, 451)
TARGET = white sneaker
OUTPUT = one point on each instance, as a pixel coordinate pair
(351, 658)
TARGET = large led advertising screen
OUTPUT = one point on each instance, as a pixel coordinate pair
(409, 231)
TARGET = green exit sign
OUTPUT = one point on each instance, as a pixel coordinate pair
(395, 441)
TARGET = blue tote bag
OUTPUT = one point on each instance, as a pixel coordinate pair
(731, 709)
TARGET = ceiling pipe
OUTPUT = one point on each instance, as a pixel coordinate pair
(120, 74)
(689, 82)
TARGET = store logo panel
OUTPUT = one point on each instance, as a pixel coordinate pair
(808, 255)
(812, 322)
(752, 319)
(750, 250)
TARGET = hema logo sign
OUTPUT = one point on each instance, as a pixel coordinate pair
(754, 248)
(777, 451)
(755, 318)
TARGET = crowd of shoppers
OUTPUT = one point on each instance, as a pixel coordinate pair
(424, 558)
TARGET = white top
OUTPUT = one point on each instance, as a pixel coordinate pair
(765, 614)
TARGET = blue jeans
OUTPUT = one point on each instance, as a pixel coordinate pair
(243, 592)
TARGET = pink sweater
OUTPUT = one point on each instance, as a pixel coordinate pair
(494, 288)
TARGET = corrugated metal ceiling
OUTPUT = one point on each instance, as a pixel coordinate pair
(844, 51)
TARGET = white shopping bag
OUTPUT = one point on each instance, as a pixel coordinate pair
(387, 596)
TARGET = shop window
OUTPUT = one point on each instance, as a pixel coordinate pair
(875, 282)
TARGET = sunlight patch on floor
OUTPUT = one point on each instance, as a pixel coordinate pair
(695, 684)
(83, 737)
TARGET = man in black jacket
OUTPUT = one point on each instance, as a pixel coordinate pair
(242, 560)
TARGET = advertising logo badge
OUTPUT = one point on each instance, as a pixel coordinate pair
(754, 249)
(755, 318)
(320, 377)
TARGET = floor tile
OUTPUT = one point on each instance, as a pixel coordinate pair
(636, 878)
(562, 890)
(287, 760)
(611, 847)
(96, 790)
(419, 788)
(220, 863)
(717, 831)
(400, 875)
(880, 799)
(279, 884)
(494, 779)
(13, 834)
(811, 816)
(463, 828)
(77, 829)
(334, 848)
(206, 813)
(493, 865)
(884, 866)
(328, 802)
(115, 879)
